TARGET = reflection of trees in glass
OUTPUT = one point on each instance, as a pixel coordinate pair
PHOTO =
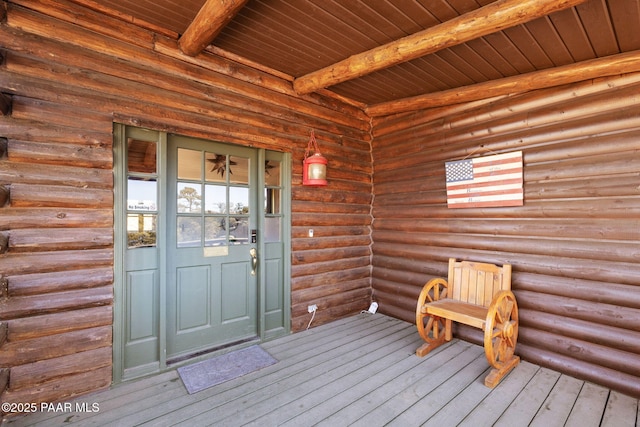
(193, 199)
(240, 208)
(189, 231)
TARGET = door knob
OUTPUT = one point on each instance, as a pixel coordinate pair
(254, 260)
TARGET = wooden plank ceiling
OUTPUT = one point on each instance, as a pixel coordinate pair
(460, 45)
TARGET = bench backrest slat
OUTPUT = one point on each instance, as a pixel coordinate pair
(476, 282)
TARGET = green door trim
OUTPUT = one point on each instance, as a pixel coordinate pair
(120, 251)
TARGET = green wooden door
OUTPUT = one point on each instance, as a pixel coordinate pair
(212, 220)
(186, 211)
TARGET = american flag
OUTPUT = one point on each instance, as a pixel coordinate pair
(485, 181)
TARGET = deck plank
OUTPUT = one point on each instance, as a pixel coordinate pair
(621, 411)
(361, 370)
(556, 408)
(426, 400)
(589, 406)
(530, 398)
(487, 412)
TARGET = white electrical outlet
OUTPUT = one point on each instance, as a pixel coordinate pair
(312, 308)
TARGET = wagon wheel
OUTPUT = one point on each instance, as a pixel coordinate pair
(501, 329)
(431, 328)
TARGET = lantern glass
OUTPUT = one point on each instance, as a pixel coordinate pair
(317, 171)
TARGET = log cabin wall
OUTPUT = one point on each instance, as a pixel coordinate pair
(70, 73)
(573, 245)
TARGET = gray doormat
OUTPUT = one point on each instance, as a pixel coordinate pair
(210, 372)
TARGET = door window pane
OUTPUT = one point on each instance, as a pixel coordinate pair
(214, 231)
(189, 232)
(189, 197)
(238, 200)
(215, 199)
(239, 235)
(141, 230)
(272, 229)
(142, 194)
(272, 173)
(141, 156)
(217, 167)
(272, 200)
(238, 170)
(189, 164)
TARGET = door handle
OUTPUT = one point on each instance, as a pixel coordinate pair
(254, 260)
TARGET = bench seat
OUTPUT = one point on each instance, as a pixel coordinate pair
(478, 295)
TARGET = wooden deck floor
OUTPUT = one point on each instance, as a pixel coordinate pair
(359, 371)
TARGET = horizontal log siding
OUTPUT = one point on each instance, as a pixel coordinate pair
(72, 73)
(573, 245)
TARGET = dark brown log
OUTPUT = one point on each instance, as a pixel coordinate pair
(17, 353)
(33, 374)
(312, 269)
(300, 323)
(596, 250)
(318, 242)
(98, 18)
(391, 287)
(4, 243)
(605, 271)
(86, 156)
(62, 115)
(613, 293)
(62, 387)
(475, 24)
(36, 131)
(4, 286)
(322, 219)
(28, 263)
(60, 281)
(19, 218)
(570, 228)
(212, 17)
(611, 337)
(4, 379)
(350, 280)
(595, 312)
(359, 296)
(35, 173)
(38, 240)
(588, 352)
(36, 196)
(3, 148)
(324, 231)
(5, 104)
(57, 323)
(5, 195)
(50, 303)
(4, 332)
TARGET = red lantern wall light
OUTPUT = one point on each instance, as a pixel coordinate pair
(314, 167)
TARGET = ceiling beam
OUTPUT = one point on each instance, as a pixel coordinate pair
(608, 66)
(489, 19)
(210, 20)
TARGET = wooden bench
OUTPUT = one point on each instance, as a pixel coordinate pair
(478, 295)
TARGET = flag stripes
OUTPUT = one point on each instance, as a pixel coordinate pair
(485, 181)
